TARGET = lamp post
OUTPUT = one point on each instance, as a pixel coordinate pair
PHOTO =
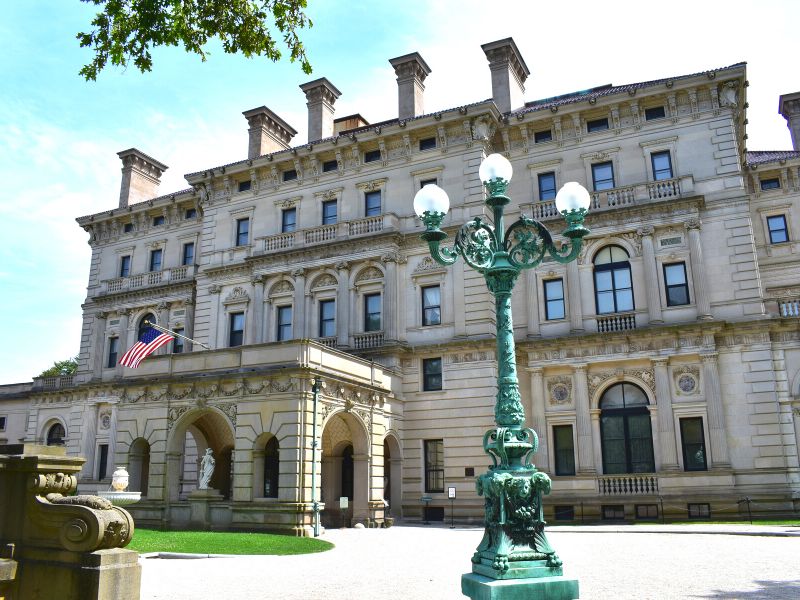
(514, 558)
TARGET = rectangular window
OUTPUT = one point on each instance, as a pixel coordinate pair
(778, 231)
(612, 512)
(288, 220)
(655, 112)
(675, 284)
(647, 512)
(191, 213)
(434, 466)
(699, 510)
(425, 182)
(372, 203)
(372, 156)
(431, 374)
(603, 176)
(327, 318)
(427, 144)
(565, 513)
(469, 471)
(329, 212)
(177, 343)
(188, 254)
(102, 463)
(431, 305)
(597, 125)
(2, 423)
(554, 299)
(547, 186)
(245, 185)
(290, 175)
(540, 137)
(372, 312)
(125, 266)
(113, 350)
(158, 221)
(662, 165)
(155, 259)
(236, 331)
(127, 228)
(564, 449)
(242, 231)
(693, 444)
(770, 184)
(330, 165)
(284, 326)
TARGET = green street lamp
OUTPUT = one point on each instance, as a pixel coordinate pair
(514, 558)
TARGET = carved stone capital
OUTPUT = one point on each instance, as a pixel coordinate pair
(692, 224)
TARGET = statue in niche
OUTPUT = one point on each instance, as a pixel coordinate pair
(727, 95)
(206, 469)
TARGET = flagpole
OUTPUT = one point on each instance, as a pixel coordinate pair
(169, 331)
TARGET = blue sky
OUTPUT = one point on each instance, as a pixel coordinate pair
(59, 135)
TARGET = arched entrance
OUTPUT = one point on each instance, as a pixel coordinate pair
(392, 476)
(345, 470)
(192, 434)
(625, 431)
(139, 466)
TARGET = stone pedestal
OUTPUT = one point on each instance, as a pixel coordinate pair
(199, 502)
(479, 587)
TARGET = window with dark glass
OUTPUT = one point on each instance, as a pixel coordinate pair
(244, 185)
(330, 165)
(564, 512)
(188, 254)
(613, 512)
(431, 374)
(236, 332)
(675, 283)
(554, 299)
(113, 351)
(347, 479)
(625, 435)
(329, 212)
(56, 435)
(155, 259)
(290, 175)
(547, 186)
(2, 423)
(778, 231)
(177, 343)
(272, 465)
(434, 466)
(603, 176)
(693, 444)
(159, 220)
(564, 449)
(288, 220)
(597, 125)
(613, 288)
(327, 318)
(372, 203)
(127, 228)
(699, 510)
(190, 213)
(102, 462)
(372, 312)
(654, 112)
(372, 156)
(144, 324)
(770, 184)
(427, 143)
(662, 165)
(124, 266)
(647, 512)
(425, 182)
(540, 137)
(242, 231)
(431, 305)
(284, 327)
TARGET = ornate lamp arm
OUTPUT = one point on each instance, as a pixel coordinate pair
(435, 236)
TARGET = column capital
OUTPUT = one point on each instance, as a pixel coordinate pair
(163, 306)
(709, 357)
(301, 272)
(538, 371)
(256, 279)
(660, 361)
(645, 231)
(693, 224)
(343, 265)
(102, 315)
(580, 367)
(188, 301)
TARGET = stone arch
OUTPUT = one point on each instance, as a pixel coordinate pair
(282, 286)
(594, 401)
(48, 429)
(370, 271)
(263, 446)
(139, 465)
(595, 246)
(327, 278)
(392, 474)
(626, 429)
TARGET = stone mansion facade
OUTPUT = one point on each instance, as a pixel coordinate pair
(661, 370)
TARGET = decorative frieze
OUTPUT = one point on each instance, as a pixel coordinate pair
(646, 376)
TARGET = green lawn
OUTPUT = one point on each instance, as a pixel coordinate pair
(218, 542)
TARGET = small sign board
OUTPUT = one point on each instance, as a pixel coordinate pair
(426, 499)
(451, 493)
(343, 502)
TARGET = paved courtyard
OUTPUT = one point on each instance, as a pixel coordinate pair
(416, 563)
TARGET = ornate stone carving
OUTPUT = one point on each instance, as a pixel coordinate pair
(282, 287)
(369, 273)
(728, 95)
(173, 414)
(647, 376)
(105, 419)
(237, 295)
(477, 356)
(324, 280)
(427, 265)
(560, 389)
(230, 410)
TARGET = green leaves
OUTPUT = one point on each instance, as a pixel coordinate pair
(126, 31)
(61, 367)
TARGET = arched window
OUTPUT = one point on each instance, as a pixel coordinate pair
(150, 318)
(613, 290)
(56, 435)
(627, 440)
(347, 472)
(271, 468)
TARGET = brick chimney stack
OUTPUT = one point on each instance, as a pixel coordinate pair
(141, 176)
(790, 110)
(268, 132)
(509, 73)
(321, 95)
(411, 71)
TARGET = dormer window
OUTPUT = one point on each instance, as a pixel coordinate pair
(773, 183)
(290, 175)
(597, 125)
(541, 137)
(427, 144)
(191, 213)
(372, 156)
(653, 113)
(330, 165)
(244, 185)
(159, 220)
(127, 228)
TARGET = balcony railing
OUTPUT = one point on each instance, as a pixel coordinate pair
(53, 383)
(373, 339)
(617, 322)
(627, 485)
(142, 280)
(789, 308)
(330, 342)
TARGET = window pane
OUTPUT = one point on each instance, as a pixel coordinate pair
(605, 302)
(284, 323)
(290, 175)
(777, 229)
(624, 300)
(656, 112)
(612, 398)
(693, 444)
(242, 232)
(542, 136)
(188, 253)
(613, 442)
(372, 312)
(547, 186)
(177, 343)
(565, 451)
(554, 298)
(431, 305)
(288, 220)
(662, 165)
(641, 444)
(603, 176)
(327, 318)
(237, 329)
(329, 165)
(675, 274)
(603, 281)
(329, 212)
(677, 295)
(622, 277)
(372, 202)
(427, 143)
(125, 266)
(155, 260)
(434, 465)
(770, 184)
(432, 374)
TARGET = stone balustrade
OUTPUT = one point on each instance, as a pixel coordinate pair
(628, 485)
(144, 280)
(372, 339)
(616, 322)
(789, 307)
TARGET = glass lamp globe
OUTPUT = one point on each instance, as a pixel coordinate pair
(431, 199)
(572, 196)
(496, 166)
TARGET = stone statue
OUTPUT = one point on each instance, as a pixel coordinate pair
(206, 469)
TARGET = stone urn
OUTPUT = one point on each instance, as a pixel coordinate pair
(118, 496)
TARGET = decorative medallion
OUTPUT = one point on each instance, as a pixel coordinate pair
(560, 389)
(687, 380)
(105, 420)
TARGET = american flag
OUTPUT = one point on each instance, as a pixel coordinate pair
(150, 341)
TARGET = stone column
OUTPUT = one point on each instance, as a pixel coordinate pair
(532, 303)
(343, 305)
(99, 343)
(361, 488)
(389, 308)
(214, 291)
(88, 438)
(666, 421)
(585, 446)
(796, 422)
(716, 412)
(651, 275)
(299, 325)
(163, 321)
(698, 270)
(124, 335)
(255, 324)
(574, 297)
(112, 442)
(538, 420)
(597, 446)
(188, 325)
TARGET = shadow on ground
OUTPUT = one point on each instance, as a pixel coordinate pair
(770, 590)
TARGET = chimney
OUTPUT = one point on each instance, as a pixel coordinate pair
(268, 132)
(411, 71)
(790, 110)
(141, 176)
(509, 73)
(320, 95)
